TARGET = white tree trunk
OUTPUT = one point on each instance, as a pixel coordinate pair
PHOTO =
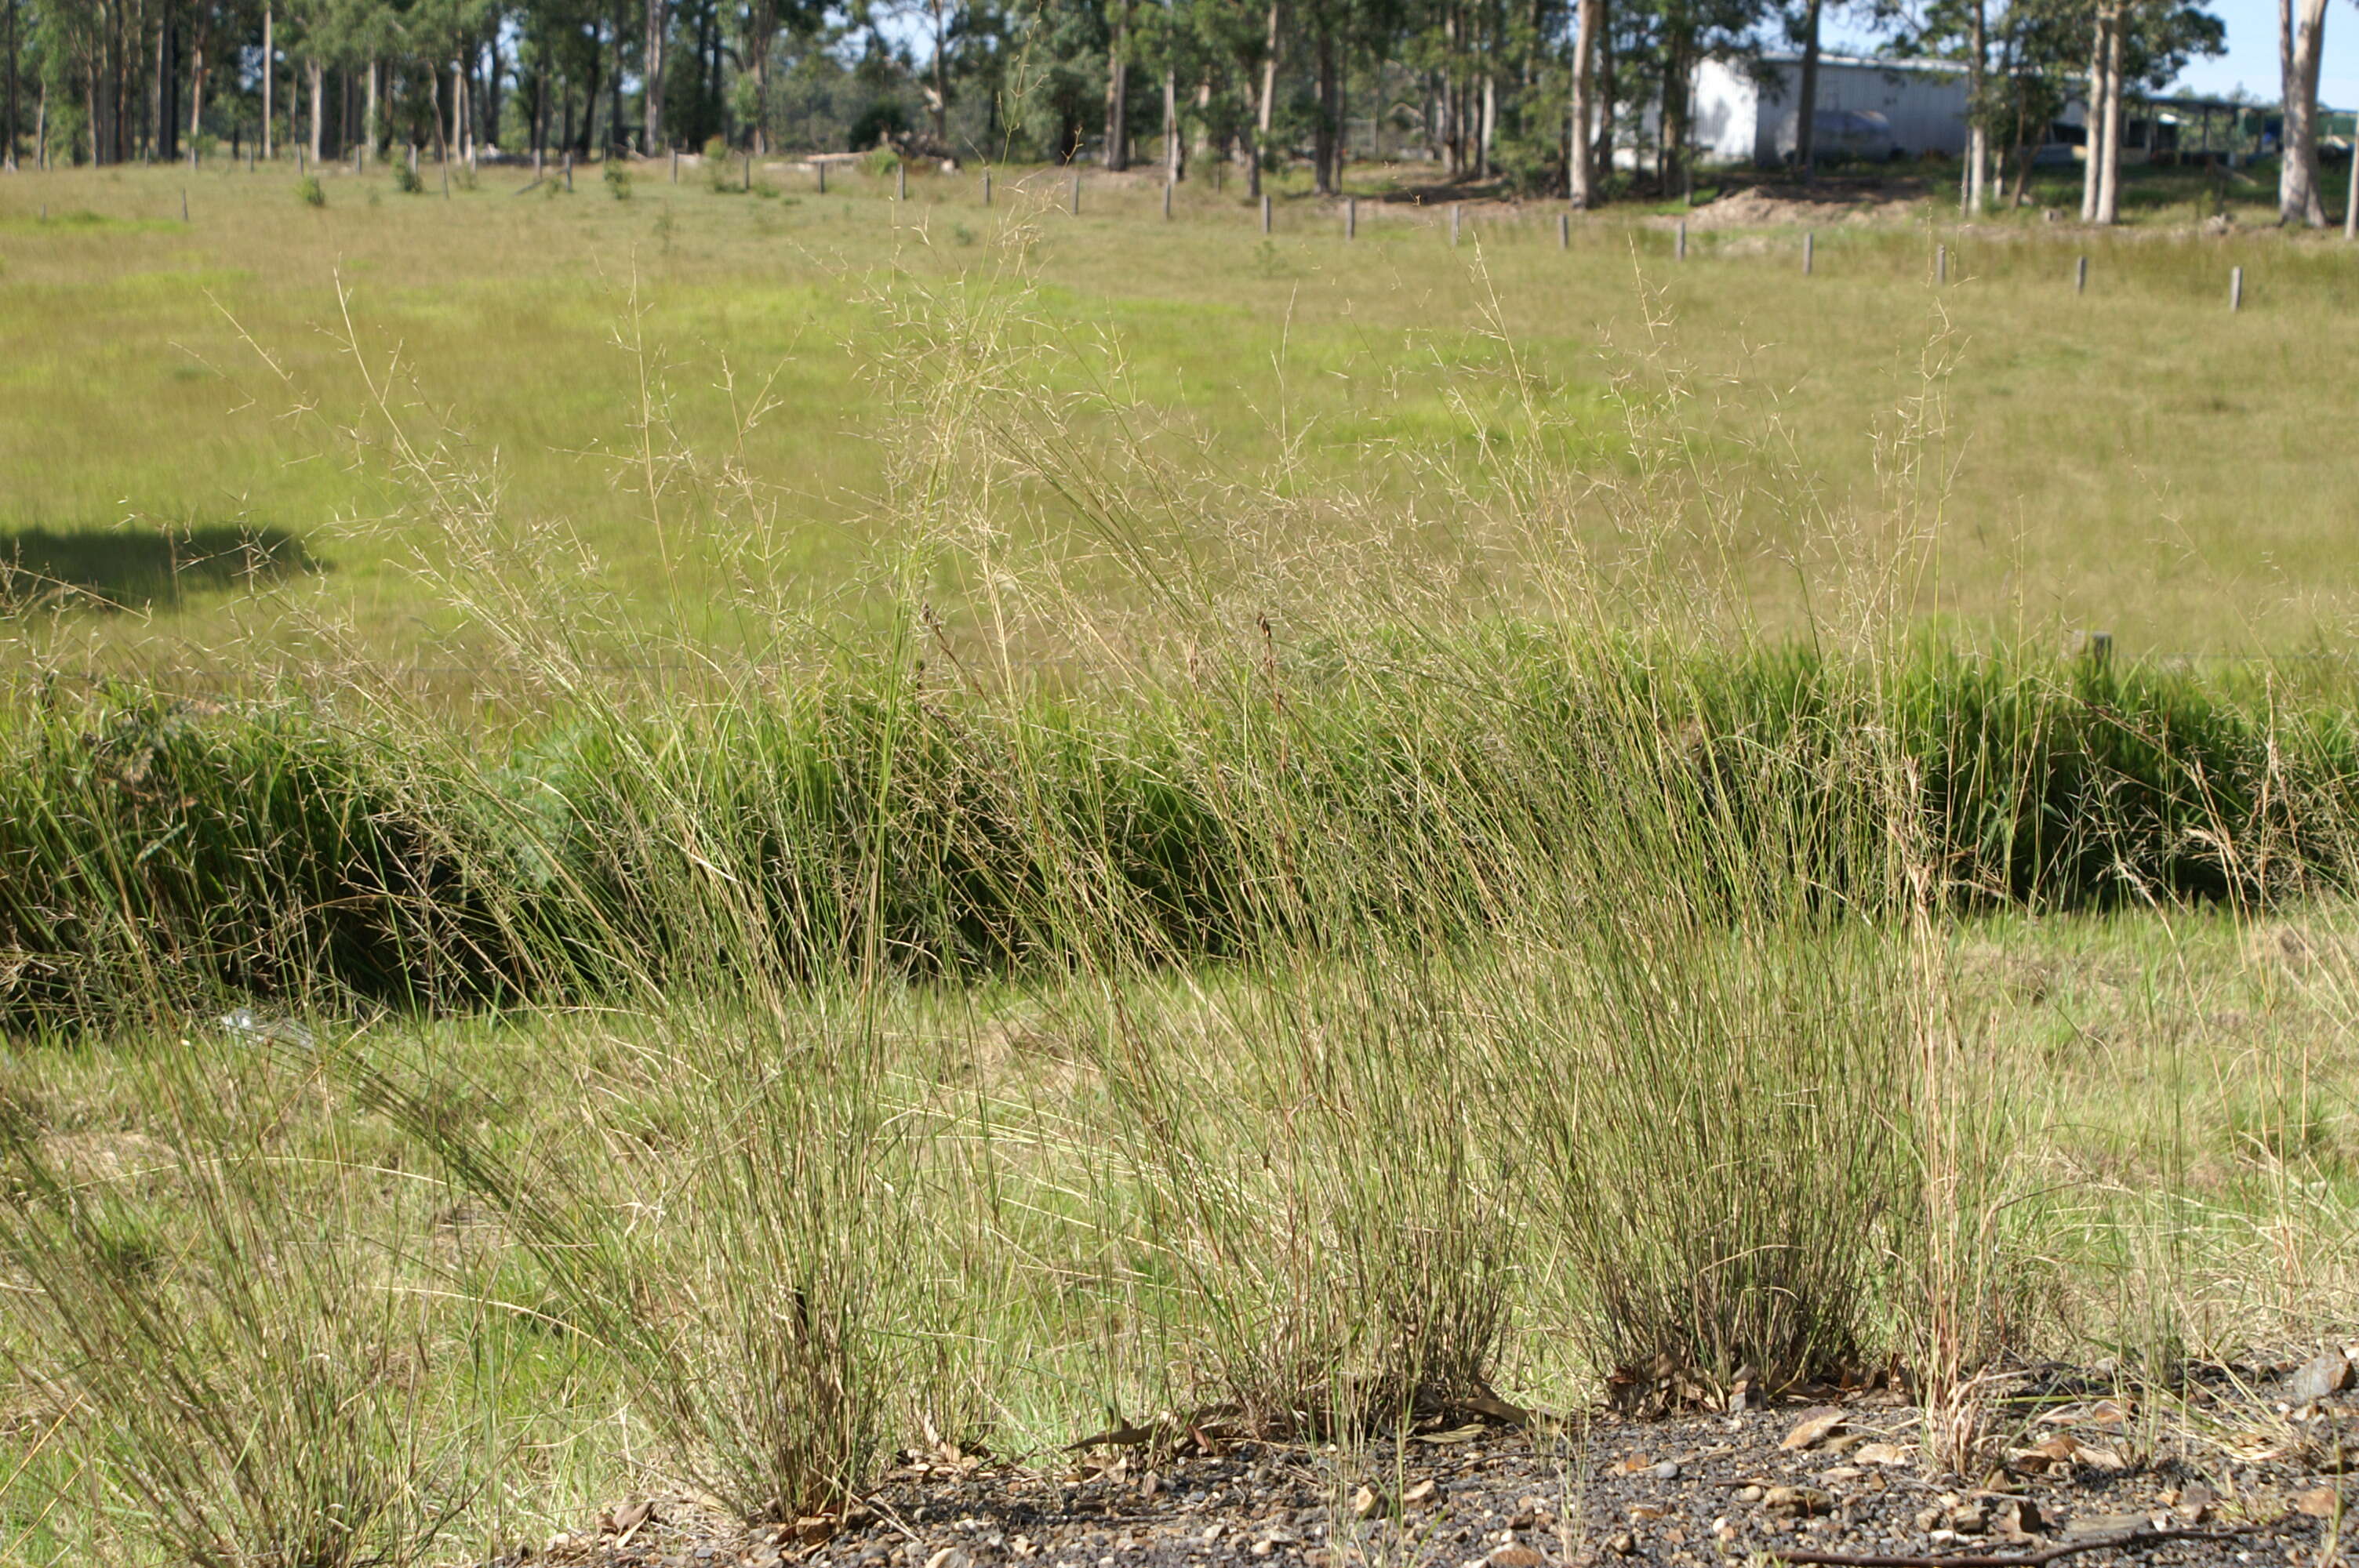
(1263, 109)
(2109, 168)
(1581, 166)
(318, 75)
(2092, 117)
(1977, 138)
(269, 71)
(2300, 38)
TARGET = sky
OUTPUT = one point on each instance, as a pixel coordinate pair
(2251, 61)
(2252, 57)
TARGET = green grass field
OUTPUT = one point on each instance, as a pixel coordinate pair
(733, 832)
(2134, 460)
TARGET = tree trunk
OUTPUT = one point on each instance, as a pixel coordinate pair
(1608, 89)
(369, 113)
(1267, 105)
(1118, 93)
(8, 145)
(651, 61)
(589, 101)
(168, 85)
(196, 88)
(941, 94)
(1977, 137)
(1806, 97)
(1175, 165)
(2109, 169)
(493, 72)
(2093, 116)
(1490, 122)
(2300, 38)
(318, 75)
(268, 71)
(1328, 177)
(1581, 160)
(616, 135)
(1679, 61)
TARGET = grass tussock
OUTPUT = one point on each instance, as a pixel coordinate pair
(207, 1318)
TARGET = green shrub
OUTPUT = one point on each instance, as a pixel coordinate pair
(311, 193)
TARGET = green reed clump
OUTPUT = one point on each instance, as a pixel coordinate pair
(159, 853)
(156, 850)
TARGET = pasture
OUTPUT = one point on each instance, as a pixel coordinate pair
(2132, 458)
(698, 841)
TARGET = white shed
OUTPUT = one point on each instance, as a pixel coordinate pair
(1867, 108)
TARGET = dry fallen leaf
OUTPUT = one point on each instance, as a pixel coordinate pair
(1884, 1454)
(1365, 1503)
(2319, 1502)
(1420, 1493)
(1514, 1556)
(1812, 1430)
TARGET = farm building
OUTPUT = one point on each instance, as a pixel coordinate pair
(1867, 108)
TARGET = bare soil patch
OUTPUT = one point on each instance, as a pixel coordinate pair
(2227, 1471)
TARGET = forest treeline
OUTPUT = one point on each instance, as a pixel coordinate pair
(1564, 97)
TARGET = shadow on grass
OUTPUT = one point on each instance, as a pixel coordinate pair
(125, 569)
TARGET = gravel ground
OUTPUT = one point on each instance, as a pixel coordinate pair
(2254, 1475)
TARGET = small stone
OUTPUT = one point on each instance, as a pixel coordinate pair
(1263, 1547)
(1972, 1519)
(1748, 1494)
(1213, 1533)
(1802, 1502)
(1930, 1519)
(1514, 1556)
(2330, 1372)
(1622, 1544)
(1884, 1454)
(1646, 1513)
(1423, 1492)
(950, 1557)
(1842, 1473)
(1669, 1470)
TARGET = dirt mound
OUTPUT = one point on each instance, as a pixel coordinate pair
(1771, 206)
